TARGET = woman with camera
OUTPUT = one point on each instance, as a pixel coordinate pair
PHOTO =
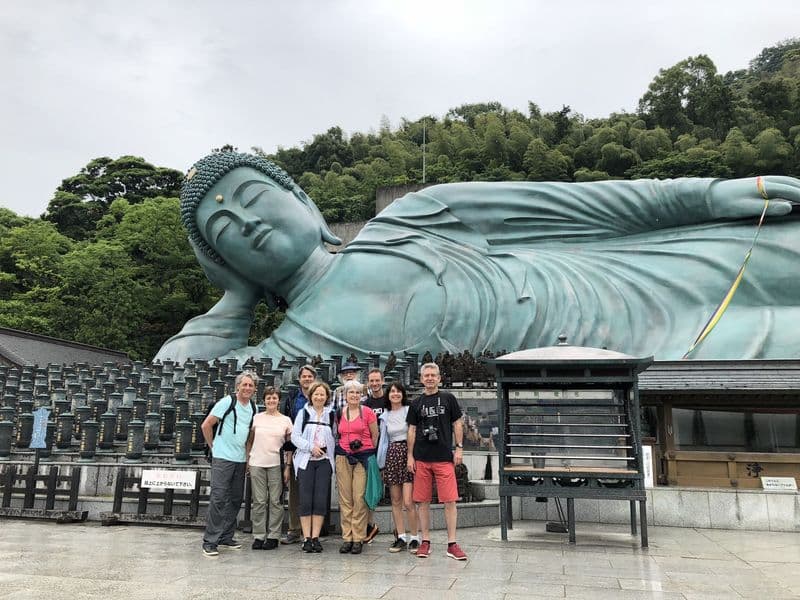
(312, 435)
(392, 458)
(358, 434)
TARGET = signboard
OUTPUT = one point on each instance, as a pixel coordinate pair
(39, 433)
(176, 480)
(647, 466)
(780, 484)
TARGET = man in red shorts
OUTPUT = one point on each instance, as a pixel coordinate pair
(434, 422)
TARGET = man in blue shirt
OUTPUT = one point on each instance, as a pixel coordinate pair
(226, 430)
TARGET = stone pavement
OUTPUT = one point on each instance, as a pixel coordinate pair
(40, 559)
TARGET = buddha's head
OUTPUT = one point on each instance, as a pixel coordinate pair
(245, 212)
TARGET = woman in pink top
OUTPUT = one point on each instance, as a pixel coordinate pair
(269, 432)
(358, 434)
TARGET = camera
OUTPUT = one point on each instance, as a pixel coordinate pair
(355, 445)
(431, 433)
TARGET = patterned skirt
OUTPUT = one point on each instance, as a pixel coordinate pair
(396, 470)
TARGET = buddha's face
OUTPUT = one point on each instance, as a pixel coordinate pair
(259, 228)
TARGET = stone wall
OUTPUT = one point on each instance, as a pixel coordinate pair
(383, 197)
(386, 195)
(346, 231)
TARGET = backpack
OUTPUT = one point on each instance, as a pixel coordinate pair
(229, 410)
(462, 483)
(290, 447)
(306, 421)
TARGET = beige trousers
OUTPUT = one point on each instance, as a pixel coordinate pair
(352, 483)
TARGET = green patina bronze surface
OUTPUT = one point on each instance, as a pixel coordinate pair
(634, 266)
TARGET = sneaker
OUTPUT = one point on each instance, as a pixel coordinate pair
(210, 550)
(291, 538)
(413, 546)
(270, 544)
(316, 545)
(372, 531)
(454, 551)
(398, 546)
(346, 548)
(356, 548)
(308, 546)
(424, 550)
(257, 544)
(231, 544)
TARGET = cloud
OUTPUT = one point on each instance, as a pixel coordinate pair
(170, 80)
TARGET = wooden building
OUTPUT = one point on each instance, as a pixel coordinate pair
(722, 423)
(22, 348)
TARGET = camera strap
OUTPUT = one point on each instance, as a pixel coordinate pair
(346, 418)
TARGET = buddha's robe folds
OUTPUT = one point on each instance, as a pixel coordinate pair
(633, 266)
(636, 267)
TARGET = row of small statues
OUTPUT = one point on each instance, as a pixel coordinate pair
(144, 407)
(462, 367)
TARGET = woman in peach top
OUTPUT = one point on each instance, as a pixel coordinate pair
(270, 431)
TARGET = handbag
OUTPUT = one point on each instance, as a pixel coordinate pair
(374, 490)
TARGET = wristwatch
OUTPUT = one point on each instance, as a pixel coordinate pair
(460, 446)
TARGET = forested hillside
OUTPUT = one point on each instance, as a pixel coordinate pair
(108, 262)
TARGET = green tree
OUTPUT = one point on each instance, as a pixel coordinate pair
(519, 138)
(772, 96)
(74, 216)
(684, 142)
(100, 300)
(33, 253)
(689, 92)
(585, 175)
(173, 286)
(615, 159)
(774, 154)
(468, 113)
(652, 143)
(740, 155)
(327, 148)
(494, 140)
(31, 257)
(291, 160)
(81, 200)
(9, 219)
(772, 59)
(544, 164)
(265, 321)
(561, 122)
(706, 163)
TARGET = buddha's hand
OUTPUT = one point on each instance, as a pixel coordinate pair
(742, 198)
(226, 278)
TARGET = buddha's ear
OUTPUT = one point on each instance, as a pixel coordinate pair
(328, 236)
(325, 232)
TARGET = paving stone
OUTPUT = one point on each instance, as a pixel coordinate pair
(87, 561)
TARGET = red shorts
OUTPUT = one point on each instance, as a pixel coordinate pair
(445, 474)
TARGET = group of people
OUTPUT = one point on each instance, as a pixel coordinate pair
(365, 435)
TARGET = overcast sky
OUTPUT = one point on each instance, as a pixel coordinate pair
(169, 80)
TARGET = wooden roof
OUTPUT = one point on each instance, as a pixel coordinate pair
(20, 348)
(717, 376)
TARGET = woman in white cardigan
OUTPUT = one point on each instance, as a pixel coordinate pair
(312, 435)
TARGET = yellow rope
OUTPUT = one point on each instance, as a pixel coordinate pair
(720, 310)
